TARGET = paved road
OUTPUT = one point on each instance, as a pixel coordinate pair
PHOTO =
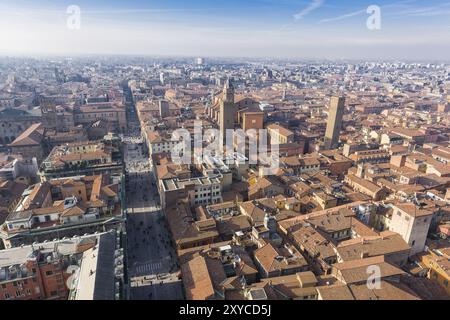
(153, 267)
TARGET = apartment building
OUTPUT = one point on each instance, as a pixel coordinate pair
(279, 134)
(158, 142)
(113, 112)
(64, 208)
(82, 158)
(47, 270)
(198, 191)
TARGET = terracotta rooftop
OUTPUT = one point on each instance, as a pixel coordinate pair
(30, 137)
(413, 210)
(384, 244)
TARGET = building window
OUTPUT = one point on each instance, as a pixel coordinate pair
(7, 296)
(53, 293)
(48, 273)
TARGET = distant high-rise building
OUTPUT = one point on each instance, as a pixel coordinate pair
(334, 125)
(199, 61)
(227, 109)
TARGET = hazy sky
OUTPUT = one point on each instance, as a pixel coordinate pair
(260, 28)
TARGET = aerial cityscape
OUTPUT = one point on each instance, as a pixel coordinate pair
(187, 175)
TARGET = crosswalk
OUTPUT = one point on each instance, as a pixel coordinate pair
(148, 268)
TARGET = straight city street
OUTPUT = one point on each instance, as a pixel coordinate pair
(153, 268)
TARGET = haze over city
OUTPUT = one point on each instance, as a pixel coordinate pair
(312, 29)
